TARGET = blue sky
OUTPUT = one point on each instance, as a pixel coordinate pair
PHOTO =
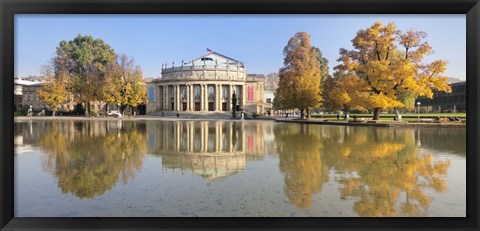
(257, 40)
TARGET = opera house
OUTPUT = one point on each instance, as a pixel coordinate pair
(206, 84)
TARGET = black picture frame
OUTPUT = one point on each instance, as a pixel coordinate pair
(8, 8)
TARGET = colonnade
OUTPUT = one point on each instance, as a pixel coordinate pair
(196, 97)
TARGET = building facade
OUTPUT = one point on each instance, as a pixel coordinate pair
(206, 84)
(445, 102)
(25, 94)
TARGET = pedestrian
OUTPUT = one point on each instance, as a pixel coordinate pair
(163, 115)
(178, 115)
(338, 116)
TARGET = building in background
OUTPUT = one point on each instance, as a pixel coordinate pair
(25, 94)
(206, 84)
(445, 102)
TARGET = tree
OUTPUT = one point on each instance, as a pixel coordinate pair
(124, 83)
(390, 62)
(299, 79)
(84, 61)
(324, 73)
(345, 91)
(54, 91)
(323, 65)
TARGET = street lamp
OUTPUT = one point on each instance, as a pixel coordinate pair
(418, 110)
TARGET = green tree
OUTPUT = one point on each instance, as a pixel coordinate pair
(83, 60)
(323, 65)
(299, 79)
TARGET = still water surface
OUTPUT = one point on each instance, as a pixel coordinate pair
(226, 168)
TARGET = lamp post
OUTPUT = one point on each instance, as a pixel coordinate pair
(418, 110)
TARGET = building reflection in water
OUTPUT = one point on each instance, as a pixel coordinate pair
(211, 149)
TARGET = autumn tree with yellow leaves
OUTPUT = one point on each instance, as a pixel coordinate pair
(54, 91)
(124, 83)
(391, 64)
(344, 92)
(299, 79)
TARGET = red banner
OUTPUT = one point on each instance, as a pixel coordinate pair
(250, 94)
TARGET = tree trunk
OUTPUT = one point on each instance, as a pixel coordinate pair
(308, 113)
(53, 113)
(376, 113)
(302, 113)
(87, 109)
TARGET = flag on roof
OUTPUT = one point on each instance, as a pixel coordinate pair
(208, 50)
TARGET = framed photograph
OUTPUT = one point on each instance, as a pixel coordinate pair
(175, 115)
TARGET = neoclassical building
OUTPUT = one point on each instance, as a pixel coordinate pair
(206, 84)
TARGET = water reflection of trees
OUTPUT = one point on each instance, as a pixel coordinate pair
(300, 147)
(391, 174)
(381, 169)
(88, 158)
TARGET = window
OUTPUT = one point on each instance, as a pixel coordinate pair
(269, 100)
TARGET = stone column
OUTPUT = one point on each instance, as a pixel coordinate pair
(187, 93)
(175, 97)
(178, 98)
(205, 95)
(220, 97)
(232, 89)
(216, 98)
(190, 97)
(165, 91)
(201, 98)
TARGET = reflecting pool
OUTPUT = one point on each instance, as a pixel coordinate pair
(229, 168)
